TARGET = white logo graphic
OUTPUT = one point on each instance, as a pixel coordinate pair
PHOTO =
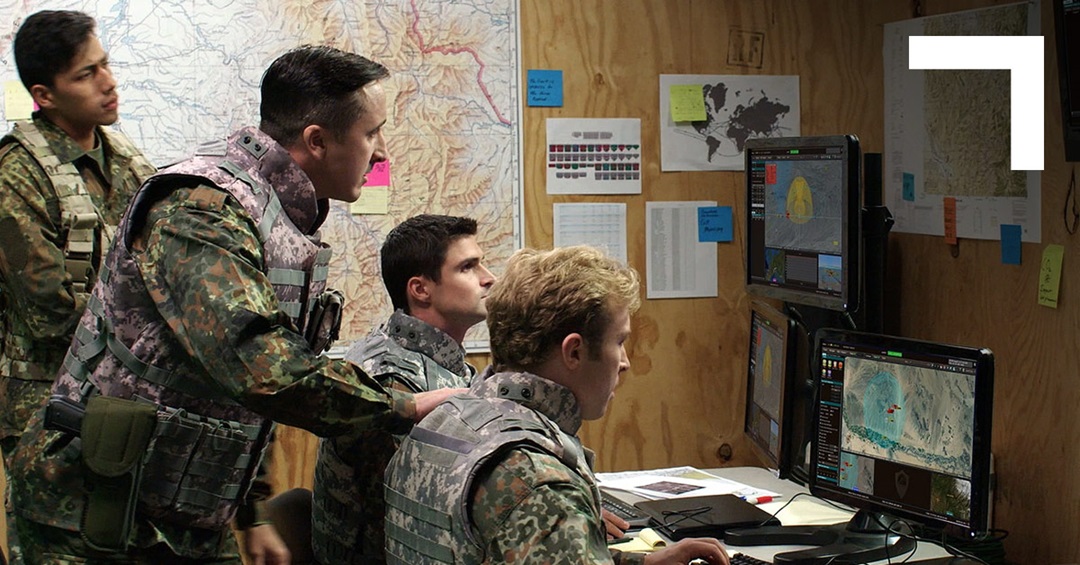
(1020, 54)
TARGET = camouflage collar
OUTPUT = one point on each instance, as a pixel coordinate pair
(419, 336)
(65, 148)
(276, 165)
(553, 400)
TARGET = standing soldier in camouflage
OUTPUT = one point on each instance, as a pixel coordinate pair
(433, 270)
(64, 183)
(207, 324)
(498, 475)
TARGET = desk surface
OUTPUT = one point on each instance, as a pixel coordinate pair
(802, 506)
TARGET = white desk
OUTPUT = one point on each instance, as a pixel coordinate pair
(804, 505)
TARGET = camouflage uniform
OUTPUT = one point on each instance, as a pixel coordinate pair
(201, 313)
(497, 476)
(40, 300)
(348, 509)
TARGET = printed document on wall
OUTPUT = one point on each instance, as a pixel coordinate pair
(947, 133)
(599, 225)
(677, 264)
(737, 107)
(593, 156)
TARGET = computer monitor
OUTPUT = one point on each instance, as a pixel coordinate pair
(803, 220)
(902, 434)
(770, 386)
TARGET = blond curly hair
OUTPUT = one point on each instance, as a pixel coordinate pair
(546, 295)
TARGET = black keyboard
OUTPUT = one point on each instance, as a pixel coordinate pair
(624, 510)
(742, 559)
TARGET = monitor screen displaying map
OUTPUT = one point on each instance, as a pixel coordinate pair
(903, 427)
(770, 376)
(803, 237)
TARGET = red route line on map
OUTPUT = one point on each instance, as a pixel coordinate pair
(455, 51)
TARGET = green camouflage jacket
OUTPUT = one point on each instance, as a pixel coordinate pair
(192, 265)
(39, 305)
(348, 507)
(497, 476)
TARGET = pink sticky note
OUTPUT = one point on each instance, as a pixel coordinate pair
(379, 175)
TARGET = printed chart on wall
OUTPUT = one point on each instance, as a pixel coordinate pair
(189, 73)
(737, 108)
(947, 134)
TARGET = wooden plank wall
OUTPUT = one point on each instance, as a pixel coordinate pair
(682, 399)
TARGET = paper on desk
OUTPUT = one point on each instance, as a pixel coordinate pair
(806, 512)
(646, 541)
(654, 487)
(689, 472)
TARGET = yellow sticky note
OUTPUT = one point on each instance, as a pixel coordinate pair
(373, 200)
(18, 104)
(687, 103)
(647, 541)
(1050, 275)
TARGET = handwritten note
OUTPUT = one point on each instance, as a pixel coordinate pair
(1050, 275)
(687, 103)
(18, 104)
(379, 175)
(373, 200)
(714, 223)
(949, 203)
(545, 88)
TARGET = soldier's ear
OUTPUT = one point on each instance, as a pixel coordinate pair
(418, 291)
(42, 96)
(572, 350)
(313, 139)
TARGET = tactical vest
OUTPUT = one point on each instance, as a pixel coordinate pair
(85, 233)
(427, 514)
(338, 522)
(206, 448)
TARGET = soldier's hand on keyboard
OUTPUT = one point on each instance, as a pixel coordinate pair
(685, 551)
(616, 527)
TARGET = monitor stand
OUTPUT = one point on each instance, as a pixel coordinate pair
(862, 539)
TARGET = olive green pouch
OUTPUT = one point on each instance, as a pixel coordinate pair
(115, 436)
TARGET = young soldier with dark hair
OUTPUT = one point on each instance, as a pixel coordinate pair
(433, 270)
(65, 180)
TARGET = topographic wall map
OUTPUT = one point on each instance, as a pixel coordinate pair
(947, 133)
(189, 72)
(737, 108)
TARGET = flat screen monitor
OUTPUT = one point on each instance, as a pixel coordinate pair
(769, 386)
(1067, 35)
(803, 220)
(902, 434)
(904, 428)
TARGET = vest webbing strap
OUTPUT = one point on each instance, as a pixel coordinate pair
(270, 214)
(430, 437)
(291, 277)
(431, 549)
(292, 308)
(235, 170)
(210, 500)
(416, 509)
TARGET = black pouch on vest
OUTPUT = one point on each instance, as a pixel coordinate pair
(324, 323)
(115, 436)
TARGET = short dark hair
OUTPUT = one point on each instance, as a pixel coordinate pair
(417, 247)
(315, 85)
(46, 43)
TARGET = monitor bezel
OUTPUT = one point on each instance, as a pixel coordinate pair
(785, 461)
(850, 294)
(981, 483)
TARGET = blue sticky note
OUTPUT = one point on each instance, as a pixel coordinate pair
(909, 187)
(714, 223)
(1010, 244)
(544, 88)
